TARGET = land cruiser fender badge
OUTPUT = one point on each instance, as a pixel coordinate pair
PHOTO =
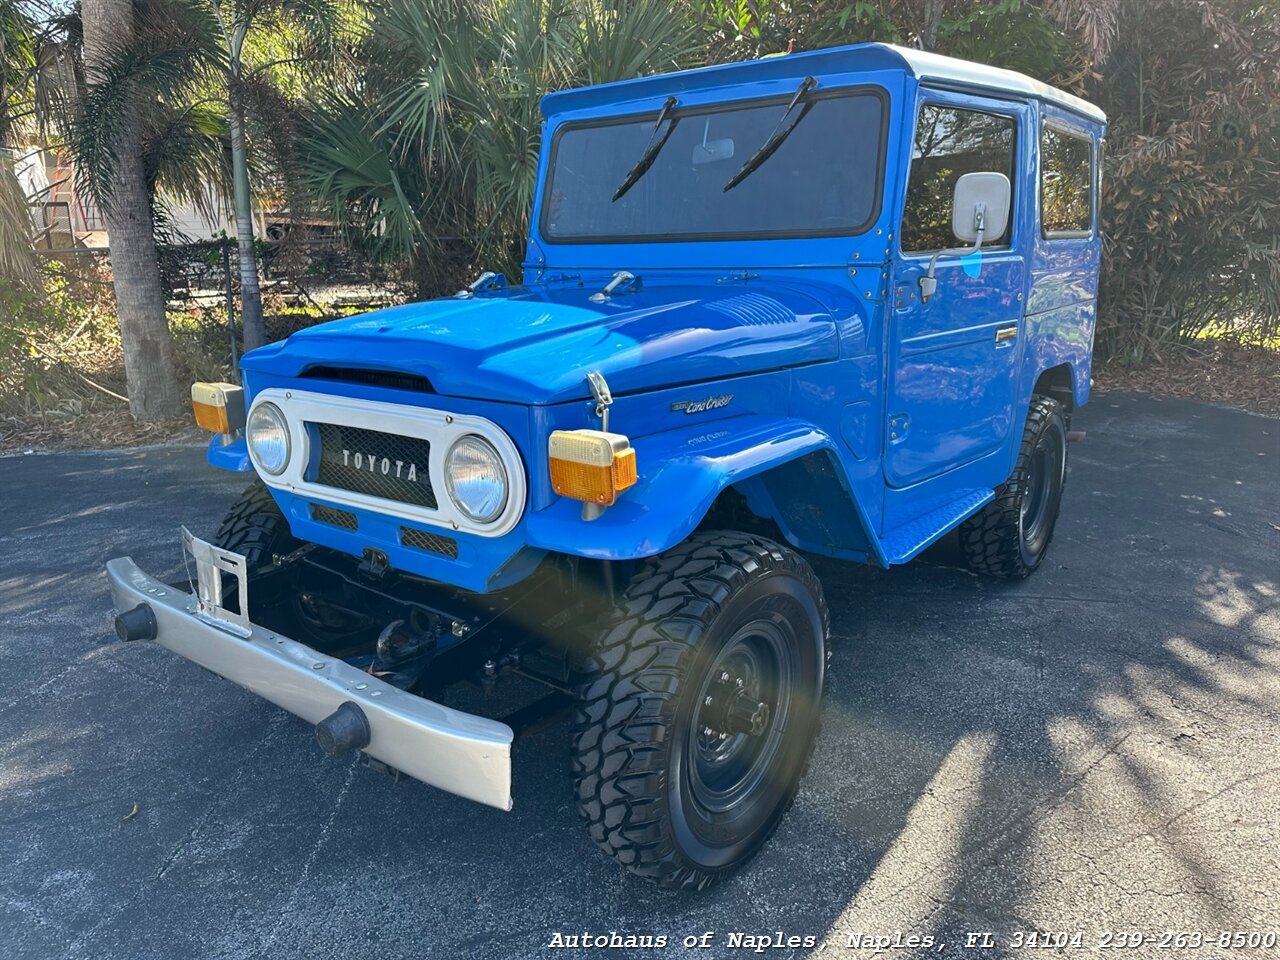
(702, 406)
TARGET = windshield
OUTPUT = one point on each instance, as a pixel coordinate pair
(824, 179)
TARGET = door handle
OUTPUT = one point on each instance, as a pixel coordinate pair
(1005, 334)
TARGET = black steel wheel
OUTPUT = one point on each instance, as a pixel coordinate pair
(699, 707)
(1010, 536)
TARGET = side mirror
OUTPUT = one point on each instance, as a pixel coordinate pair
(979, 209)
(980, 206)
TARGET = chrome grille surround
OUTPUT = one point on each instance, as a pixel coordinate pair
(438, 428)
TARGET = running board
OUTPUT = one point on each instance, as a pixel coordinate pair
(906, 541)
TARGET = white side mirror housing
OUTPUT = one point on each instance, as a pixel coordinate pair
(981, 203)
(979, 211)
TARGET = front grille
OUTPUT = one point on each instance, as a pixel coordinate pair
(383, 465)
(430, 542)
(334, 516)
(372, 378)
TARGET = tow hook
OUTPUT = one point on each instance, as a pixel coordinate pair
(344, 730)
(1075, 436)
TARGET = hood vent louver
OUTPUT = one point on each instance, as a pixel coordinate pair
(753, 309)
(372, 378)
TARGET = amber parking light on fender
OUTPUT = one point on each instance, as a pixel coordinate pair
(592, 466)
(219, 408)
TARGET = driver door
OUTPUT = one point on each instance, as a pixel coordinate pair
(953, 360)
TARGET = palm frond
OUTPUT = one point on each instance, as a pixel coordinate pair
(17, 264)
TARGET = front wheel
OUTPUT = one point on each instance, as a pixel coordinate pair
(1010, 536)
(699, 707)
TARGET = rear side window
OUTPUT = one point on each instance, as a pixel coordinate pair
(1066, 183)
(948, 144)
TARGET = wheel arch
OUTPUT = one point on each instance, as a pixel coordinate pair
(1059, 383)
(788, 471)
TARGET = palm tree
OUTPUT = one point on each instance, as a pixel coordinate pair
(436, 142)
(17, 64)
(206, 68)
(126, 205)
(313, 22)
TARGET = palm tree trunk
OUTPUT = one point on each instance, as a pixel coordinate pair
(250, 294)
(930, 23)
(144, 328)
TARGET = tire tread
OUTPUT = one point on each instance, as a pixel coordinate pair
(991, 538)
(629, 688)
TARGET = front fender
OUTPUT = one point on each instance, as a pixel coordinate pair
(681, 474)
(233, 456)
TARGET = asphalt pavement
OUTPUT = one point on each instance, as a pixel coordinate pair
(1095, 750)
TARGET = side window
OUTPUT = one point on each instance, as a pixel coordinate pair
(949, 143)
(1066, 183)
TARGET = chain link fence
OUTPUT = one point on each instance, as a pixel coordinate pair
(60, 358)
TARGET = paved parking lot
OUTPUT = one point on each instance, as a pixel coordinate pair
(1097, 749)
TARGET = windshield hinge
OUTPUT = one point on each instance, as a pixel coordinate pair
(485, 282)
(623, 278)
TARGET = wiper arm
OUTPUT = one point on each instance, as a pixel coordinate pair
(780, 133)
(656, 142)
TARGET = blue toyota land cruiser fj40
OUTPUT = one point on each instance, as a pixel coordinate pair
(839, 302)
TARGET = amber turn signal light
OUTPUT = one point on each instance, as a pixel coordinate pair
(219, 407)
(591, 465)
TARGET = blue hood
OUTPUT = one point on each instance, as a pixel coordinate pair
(536, 345)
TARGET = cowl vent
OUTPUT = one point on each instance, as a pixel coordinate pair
(371, 378)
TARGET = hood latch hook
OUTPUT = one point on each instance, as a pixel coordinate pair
(604, 398)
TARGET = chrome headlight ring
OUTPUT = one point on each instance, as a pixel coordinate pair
(267, 437)
(476, 478)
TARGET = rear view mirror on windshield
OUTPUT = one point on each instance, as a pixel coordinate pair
(712, 151)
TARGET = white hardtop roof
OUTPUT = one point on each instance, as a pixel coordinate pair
(929, 68)
(933, 67)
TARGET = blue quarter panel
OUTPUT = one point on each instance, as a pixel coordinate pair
(1062, 304)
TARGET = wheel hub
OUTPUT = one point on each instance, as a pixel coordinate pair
(733, 707)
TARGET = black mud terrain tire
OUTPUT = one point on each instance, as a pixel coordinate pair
(699, 706)
(1009, 537)
(255, 528)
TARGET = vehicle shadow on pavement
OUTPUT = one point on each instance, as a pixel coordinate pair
(1092, 749)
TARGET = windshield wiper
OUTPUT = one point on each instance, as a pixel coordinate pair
(656, 142)
(780, 133)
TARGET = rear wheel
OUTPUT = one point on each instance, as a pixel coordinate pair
(699, 707)
(1010, 536)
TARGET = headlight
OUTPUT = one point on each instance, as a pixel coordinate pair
(476, 479)
(268, 438)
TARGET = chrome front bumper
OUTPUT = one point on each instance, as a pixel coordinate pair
(458, 752)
